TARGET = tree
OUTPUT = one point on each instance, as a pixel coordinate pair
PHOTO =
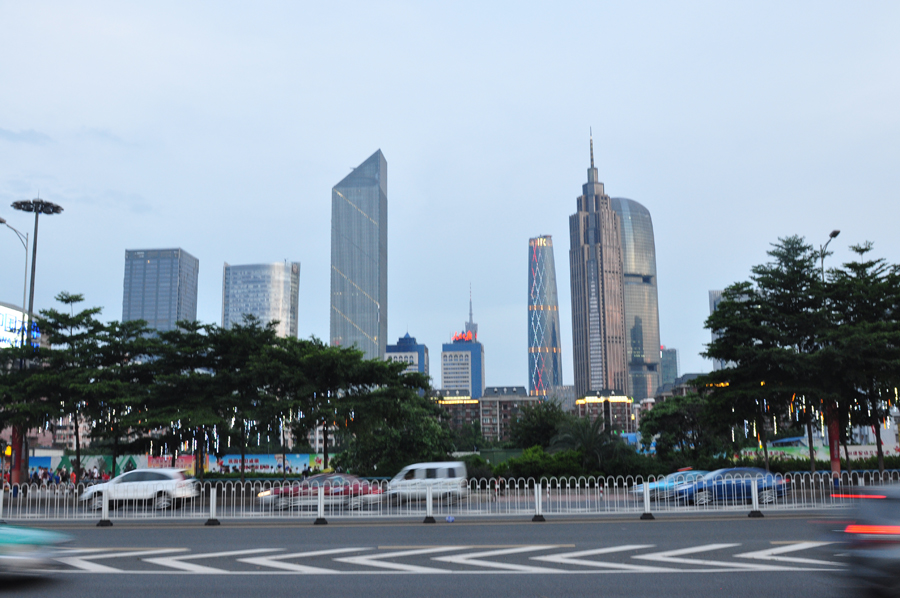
(592, 439)
(863, 345)
(536, 424)
(769, 329)
(69, 368)
(686, 424)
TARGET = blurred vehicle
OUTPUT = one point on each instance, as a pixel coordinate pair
(23, 549)
(664, 488)
(443, 479)
(162, 488)
(337, 489)
(873, 539)
(734, 484)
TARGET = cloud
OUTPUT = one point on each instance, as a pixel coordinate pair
(104, 136)
(29, 136)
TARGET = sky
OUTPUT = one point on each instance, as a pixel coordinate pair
(221, 127)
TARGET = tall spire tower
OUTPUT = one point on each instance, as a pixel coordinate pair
(471, 326)
(597, 284)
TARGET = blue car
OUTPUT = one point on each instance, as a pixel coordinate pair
(733, 484)
(664, 488)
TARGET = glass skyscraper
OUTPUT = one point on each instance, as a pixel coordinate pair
(359, 258)
(160, 287)
(268, 291)
(598, 311)
(544, 354)
(641, 298)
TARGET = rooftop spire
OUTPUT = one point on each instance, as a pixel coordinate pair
(591, 129)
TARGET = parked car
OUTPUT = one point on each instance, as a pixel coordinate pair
(733, 484)
(664, 488)
(337, 489)
(23, 548)
(873, 540)
(444, 479)
(162, 488)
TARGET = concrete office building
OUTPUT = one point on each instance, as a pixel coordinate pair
(544, 352)
(160, 287)
(598, 311)
(641, 298)
(408, 351)
(269, 292)
(462, 361)
(359, 258)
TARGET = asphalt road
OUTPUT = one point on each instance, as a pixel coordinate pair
(712, 556)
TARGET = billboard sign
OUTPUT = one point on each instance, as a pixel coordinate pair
(11, 322)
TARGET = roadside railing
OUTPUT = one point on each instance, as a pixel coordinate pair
(432, 499)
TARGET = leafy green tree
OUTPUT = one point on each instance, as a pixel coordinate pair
(769, 330)
(69, 367)
(596, 444)
(685, 424)
(537, 423)
(862, 355)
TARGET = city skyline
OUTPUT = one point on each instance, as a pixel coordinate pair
(223, 131)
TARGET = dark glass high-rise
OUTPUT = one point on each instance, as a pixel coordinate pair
(359, 258)
(160, 287)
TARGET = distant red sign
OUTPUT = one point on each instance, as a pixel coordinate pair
(464, 337)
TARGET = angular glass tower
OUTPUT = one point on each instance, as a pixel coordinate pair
(641, 298)
(359, 258)
(544, 354)
(268, 291)
(598, 311)
(160, 287)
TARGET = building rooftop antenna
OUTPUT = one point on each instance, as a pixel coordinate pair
(591, 129)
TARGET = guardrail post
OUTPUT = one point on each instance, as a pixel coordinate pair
(320, 507)
(2, 491)
(213, 495)
(429, 504)
(647, 514)
(755, 490)
(104, 512)
(538, 507)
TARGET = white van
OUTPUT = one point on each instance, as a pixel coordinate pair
(444, 479)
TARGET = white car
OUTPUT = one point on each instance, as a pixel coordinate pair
(161, 487)
(443, 479)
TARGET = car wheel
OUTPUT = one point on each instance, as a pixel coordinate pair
(703, 497)
(162, 501)
(767, 496)
(96, 501)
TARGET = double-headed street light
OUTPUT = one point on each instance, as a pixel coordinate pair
(23, 238)
(19, 469)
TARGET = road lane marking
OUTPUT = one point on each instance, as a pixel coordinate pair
(373, 560)
(178, 562)
(475, 559)
(672, 556)
(573, 558)
(276, 562)
(774, 554)
(85, 562)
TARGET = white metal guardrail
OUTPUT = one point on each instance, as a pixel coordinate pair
(586, 496)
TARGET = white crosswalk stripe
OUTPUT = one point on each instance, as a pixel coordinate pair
(178, 562)
(463, 559)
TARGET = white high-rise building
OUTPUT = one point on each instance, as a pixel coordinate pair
(268, 291)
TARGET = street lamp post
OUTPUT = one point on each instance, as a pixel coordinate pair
(19, 465)
(23, 238)
(834, 425)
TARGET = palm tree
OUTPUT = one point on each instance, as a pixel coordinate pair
(594, 442)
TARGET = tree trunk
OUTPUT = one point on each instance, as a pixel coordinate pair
(809, 439)
(77, 448)
(243, 444)
(115, 454)
(325, 445)
(877, 427)
(762, 434)
(283, 455)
